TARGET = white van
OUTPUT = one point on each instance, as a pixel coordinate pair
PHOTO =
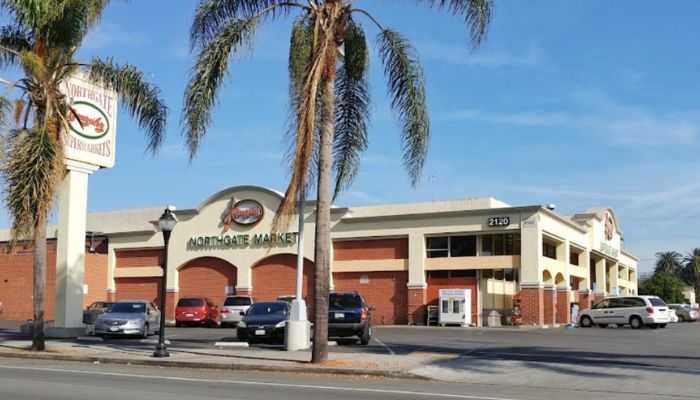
(637, 311)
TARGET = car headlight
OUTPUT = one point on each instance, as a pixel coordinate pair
(241, 324)
(134, 322)
(280, 324)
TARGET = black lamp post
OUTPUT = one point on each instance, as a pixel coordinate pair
(166, 222)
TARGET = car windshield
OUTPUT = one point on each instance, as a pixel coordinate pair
(657, 302)
(345, 300)
(238, 301)
(190, 303)
(136, 308)
(268, 309)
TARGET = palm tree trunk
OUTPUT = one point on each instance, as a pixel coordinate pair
(38, 342)
(323, 219)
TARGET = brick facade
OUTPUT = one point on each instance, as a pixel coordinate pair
(585, 300)
(207, 277)
(378, 249)
(386, 291)
(139, 258)
(550, 305)
(277, 276)
(416, 312)
(532, 306)
(17, 285)
(563, 306)
(138, 288)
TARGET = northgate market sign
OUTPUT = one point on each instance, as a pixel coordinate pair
(243, 240)
(246, 213)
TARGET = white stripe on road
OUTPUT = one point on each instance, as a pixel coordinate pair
(386, 347)
(253, 383)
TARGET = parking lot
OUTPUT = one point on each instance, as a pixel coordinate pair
(675, 346)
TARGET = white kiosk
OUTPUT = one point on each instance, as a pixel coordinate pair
(455, 307)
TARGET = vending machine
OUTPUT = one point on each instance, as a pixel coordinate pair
(455, 307)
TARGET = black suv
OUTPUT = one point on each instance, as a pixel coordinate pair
(348, 315)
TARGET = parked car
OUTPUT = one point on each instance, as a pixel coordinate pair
(288, 298)
(672, 317)
(129, 317)
(94, 310)
(264, 321)
(348, 315)
(685, 312)
(637, 311)
(232, 308)
(196, 310)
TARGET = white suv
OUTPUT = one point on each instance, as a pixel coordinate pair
(637, 311)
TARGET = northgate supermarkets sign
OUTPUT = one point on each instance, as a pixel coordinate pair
(92, 122)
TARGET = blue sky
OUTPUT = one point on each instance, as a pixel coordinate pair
(575, 103)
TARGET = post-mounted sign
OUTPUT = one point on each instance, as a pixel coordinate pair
(92, 120)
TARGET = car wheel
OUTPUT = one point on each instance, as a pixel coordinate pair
(586, 321)
(681, 318)
(602, 325)
(366, 335)
(662, 325)
(144, 333)
(636, 323)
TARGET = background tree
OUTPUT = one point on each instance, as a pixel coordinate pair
(41, 40)
(666, 286)
(668, 262)
(691, 269)
(329, 98)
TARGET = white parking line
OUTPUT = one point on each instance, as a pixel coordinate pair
(385, 346)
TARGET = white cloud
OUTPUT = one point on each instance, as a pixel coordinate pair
(459, 54)
(109, 34)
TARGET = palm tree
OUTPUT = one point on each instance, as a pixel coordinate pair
(329, 98)
(668, 262)
(691, 268)
(41, 40)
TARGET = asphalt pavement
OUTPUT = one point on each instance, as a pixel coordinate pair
(516, 362)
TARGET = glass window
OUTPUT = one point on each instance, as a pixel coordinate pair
(462, 246)
(498, 274)
(437, 243)
(498, 245)
(573, 258)
(463, 273)
(656, 302)
(196, 302)
(487, 273)
(602, 304)
(237, 301)
(510, 275)
(617, 302)
(549, 250)
(441, 274)
(487, 245)
(437, 253)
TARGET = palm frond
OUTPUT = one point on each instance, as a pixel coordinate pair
(352, 100)
(476, 13)
(32, 169)
(142, 99)
(212, 15)
(13, 40)
(207, 75)
(407, 91)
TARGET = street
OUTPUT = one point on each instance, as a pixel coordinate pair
(30, 380)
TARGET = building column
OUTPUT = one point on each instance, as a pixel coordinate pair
(532, 304)
(417, 287)
(613, 279)
(550, 304)
(600, 277)
(70, 252)
(563, 305)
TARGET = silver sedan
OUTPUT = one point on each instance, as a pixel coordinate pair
(129, 317)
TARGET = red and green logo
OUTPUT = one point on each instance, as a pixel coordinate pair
(88, 120)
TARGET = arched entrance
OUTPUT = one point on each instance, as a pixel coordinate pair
(277, 276)
(208, 277)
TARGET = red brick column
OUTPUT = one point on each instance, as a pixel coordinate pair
(171, 298)
(416, 305)
(550, 305)
(532, 305)
(563, 306)
(585, 299)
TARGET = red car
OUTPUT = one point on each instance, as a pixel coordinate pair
(196, 310)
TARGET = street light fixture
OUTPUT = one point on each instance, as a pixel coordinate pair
(166, 223)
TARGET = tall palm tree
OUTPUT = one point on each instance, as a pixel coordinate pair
(41, 40)
(668, 262)
(692, 268)
(329, 98)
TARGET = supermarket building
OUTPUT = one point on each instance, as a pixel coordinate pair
(397, 256)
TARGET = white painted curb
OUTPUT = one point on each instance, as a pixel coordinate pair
(153, 341)
(231, 344)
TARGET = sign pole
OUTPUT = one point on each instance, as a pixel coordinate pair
(297, 332)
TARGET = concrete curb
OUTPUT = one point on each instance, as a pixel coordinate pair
(299, 369)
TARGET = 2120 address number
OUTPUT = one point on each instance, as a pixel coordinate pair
(499, 221)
